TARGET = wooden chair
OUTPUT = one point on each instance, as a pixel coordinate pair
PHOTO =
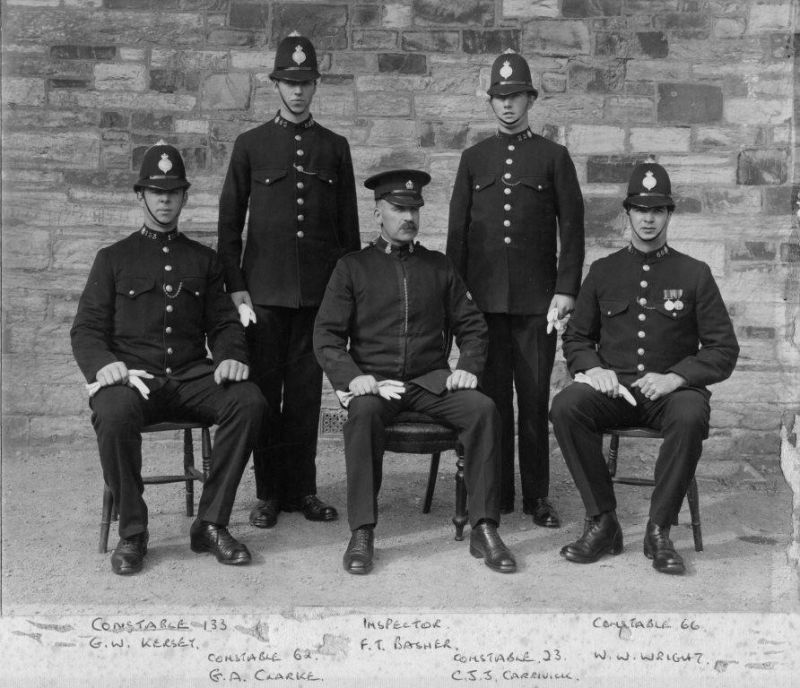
(189, 475)
(649, 433)
(417, 433)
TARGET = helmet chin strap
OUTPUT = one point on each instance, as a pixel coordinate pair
(164, 225)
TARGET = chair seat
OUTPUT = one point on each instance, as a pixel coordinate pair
(418, 433)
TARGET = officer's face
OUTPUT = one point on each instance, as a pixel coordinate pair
(511, 111)
(649, 227)
(296, 97)
(399, 224)
(162, 208)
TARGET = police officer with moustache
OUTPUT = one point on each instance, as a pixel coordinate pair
(379, 336)
(296, 179)
(152, 302)
(649, 322)
(515, 199)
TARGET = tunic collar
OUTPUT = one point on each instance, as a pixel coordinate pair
(286, 124)
(519, 136)
(652, 255)
(159, 236)
(385, 247)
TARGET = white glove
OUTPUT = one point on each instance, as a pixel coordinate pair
(246, 314)
(556, 323)
(623, 390)
(133, 381)
(388, 389)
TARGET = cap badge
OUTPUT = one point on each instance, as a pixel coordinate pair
(505, 70)
(649, 181)
(298, 56)
(410, 185)
(165, 164)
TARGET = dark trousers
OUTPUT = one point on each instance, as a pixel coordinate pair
(580, 414)
(287, 373)
(470, 412)
(521, 356)
(119, 413)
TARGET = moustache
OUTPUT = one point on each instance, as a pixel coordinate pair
(409, 225)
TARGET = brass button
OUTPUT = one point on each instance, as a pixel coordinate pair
(169, 309)
(640, 352)
(165, 249)
(168, 371)
(300, 218)
(197, 293)
(300, 151)
(507, 240)
(643, 284)
(511, 146)
(507, 175)
(299, 168)
(168, 330)
(643, 301)
(640, 367)
(509, 161)
(300, 185)
(168, 268)
(507, 207)
(168, 288)
(507, 191)
(169, 349)
(646, 267)
(539, 187)
(642, 316)
(641, 334)
(131, 292)
(297, 137)
(300, 234)
(506, 223)
(300, 201)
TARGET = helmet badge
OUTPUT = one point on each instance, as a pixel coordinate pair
(649, 181)
(505, 70)
(409, 185)
(298, 56)
(165, 164)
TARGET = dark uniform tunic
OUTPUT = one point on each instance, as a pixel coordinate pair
(153, 301)
(639, 313)
(515, 199)
(393, 306)
(297, 182)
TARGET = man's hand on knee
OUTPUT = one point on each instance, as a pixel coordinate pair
(231, 371)
(115, 373)
(604, 381)
(657, 385)
(363, 384)
(461, 379)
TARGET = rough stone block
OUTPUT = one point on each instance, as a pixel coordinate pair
(582, 9)
(23, 91)
(128, 76)
(190, 60)
(610, 169)
(756, 166)
(83, 52)
(687, 24)
(733, 201)
(630, 109)
(252, 61)
(327, 24)
(226, 92)
(29, 250)
(653, 44)
(769, 17)
(385, 105)
(758, 112)
(467, 12)
(151, 121)
(612, 44)
(790, 252)
(778, 200)
(603, 217)
(567, 38)
(553, 83)
(374, 39)
(661, 70)
(231, 37)
(61, 82)
(656, 140)
(253, 16)
(97, 100)
(450, 135)
(430, 41)
(393, 132)
(64, 149)
(689, 103)
(402, 63)
(609, 78)
(729, 27)
(449, 107)
(490, 41)
(336, 104)
(594, 139)
(174, 81)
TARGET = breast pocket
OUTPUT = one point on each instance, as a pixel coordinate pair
(677, 310)
(613, 308)
(266, 177)
(482, 183)
(131, 288)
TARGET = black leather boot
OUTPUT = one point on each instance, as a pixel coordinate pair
(358, 555)
(659, 548)
(601, 535)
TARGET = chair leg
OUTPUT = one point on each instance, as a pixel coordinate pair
(105, 519)
(694, 509)
(460, 519)
(426, 507)
(613, 452)
(205, 443)
(188, 465)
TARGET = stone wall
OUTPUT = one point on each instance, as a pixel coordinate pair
(706, 86)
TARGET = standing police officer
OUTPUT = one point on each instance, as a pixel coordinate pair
(151, 304)
(516, 196)
(296, 179)
(650, 319)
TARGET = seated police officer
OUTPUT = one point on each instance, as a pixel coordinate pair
(649, 324)
(151, 303)
(379, 338)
